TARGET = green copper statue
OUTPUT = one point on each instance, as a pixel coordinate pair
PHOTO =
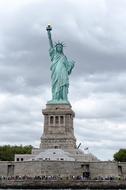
(60, 68)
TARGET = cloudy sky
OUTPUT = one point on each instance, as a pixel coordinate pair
(94, 32)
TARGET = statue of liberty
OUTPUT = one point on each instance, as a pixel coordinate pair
(60, 68)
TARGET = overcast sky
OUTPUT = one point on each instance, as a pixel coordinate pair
(94, 32)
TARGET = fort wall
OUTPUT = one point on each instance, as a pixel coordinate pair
(63, 168)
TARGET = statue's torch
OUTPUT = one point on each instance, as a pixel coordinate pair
(49, 28)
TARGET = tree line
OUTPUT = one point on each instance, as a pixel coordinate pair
(7, 152)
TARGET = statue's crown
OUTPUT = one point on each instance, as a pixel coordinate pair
(59, 43)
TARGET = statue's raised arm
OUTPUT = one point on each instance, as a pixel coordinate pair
(49, 28)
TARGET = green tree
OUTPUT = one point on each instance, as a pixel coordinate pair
(120, 155)
(7, 152)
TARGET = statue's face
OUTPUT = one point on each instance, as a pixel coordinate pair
(59, 48)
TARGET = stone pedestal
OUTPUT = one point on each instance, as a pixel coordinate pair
(58, 127)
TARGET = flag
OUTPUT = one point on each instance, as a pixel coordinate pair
(86, 148)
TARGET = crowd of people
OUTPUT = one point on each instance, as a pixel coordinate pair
(16, 178)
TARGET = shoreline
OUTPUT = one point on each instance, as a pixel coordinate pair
(73, 184)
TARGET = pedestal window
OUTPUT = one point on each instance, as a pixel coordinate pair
(61, 120)
(51, 119)
(57, 119)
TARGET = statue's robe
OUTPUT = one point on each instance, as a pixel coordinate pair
(60, 69)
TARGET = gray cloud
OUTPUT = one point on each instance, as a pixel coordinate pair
(94, 33)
